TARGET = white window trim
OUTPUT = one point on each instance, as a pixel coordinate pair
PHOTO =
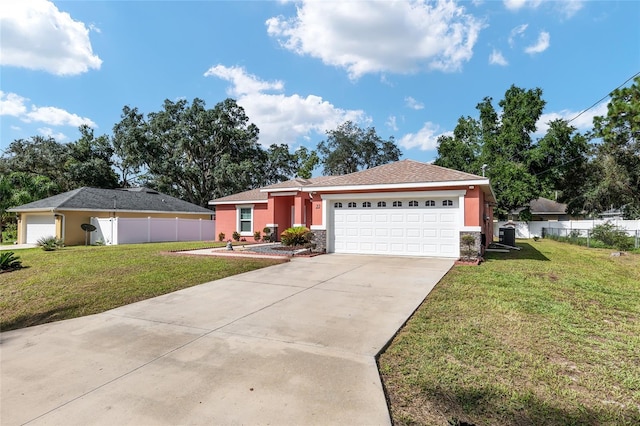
(238, 209)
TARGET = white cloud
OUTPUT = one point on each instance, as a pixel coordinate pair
(36, 35)
(583, 123)
(383, 36)
(496, 58)
(568, 8)
(413, 104)
(15, 105)
(282, 118)
(243, 83)
(425, 139)
(515, 5)
(47, 131)
(391, 123)
(12, 104)
(517, 32)
(56, 117)
(541, 44)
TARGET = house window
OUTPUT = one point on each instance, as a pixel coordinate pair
(352, 205)
(366, 204)
(246, 220)
(338, 205)
(429, 203)
(447, 203)
(382, 204)
(413, 203)
(397, 204)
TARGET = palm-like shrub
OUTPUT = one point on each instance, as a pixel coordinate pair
(9, 261)
(50, 243)
(296, 236)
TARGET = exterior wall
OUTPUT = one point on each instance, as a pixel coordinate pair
(316, 212)
(226, 220)
(282, 214)
(472, 210)
(74, 235)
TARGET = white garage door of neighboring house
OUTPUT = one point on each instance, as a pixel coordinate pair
(39, 226)
(403, 227)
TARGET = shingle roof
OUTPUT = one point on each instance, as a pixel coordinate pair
(399, 172)
(259, 194)
(133, 199)
(546, 206)
(405, 171)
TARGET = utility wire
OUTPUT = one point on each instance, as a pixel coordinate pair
(604, 97)
(582, 112)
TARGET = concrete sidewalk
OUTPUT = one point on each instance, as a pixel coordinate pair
(291, 344)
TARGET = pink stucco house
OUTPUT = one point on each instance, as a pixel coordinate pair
(402, 208)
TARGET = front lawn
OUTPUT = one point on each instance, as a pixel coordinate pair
(77, 281)
(546, 336)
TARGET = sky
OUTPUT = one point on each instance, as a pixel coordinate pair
(410, 69)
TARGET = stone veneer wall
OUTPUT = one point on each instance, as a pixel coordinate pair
(320, 240)
(477, 246)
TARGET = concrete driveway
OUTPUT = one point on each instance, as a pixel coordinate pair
(291, 344)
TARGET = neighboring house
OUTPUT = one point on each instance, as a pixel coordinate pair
(401, 208)
(62, 215)
(545, 209)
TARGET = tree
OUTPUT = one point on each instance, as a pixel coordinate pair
(306, 161)
(462, 150)
(191, 152)
(520, 168)
(129, 134)
(89, 162)
(618, 155)
(85, 162)
(560, 162)
(350, 148)
(18, 188)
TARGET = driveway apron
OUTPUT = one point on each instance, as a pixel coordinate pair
(294, 343)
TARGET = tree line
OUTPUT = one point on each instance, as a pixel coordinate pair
(590, 172)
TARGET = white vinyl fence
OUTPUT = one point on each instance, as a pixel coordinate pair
(534, 228)
(118, 230)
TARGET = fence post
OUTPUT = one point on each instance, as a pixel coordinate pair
(177, 225)
(588, 238)
(149, 229)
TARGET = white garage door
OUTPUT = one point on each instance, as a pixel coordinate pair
(402, 227)
(39, 226)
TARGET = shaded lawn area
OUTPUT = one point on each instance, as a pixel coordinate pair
(546, 336)
(77, 281)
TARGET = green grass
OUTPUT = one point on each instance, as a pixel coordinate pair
(77, 281)
(546, 336)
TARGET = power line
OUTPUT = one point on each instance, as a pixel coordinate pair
(604, 97)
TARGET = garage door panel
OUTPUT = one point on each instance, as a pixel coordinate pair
(397, 232)
(447, 217)
(413, 232)
(417, 230)
(40, 226)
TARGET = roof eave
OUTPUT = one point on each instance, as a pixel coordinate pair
(222, 203)
(410, 185)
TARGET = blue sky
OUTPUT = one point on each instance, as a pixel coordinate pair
(409, 69)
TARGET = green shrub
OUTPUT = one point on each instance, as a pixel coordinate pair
(221, 236)
(612, 236)
(296, 236)
(10, 232)
(50, 243)
(236, 236)
(9, 261)
(257, 236)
